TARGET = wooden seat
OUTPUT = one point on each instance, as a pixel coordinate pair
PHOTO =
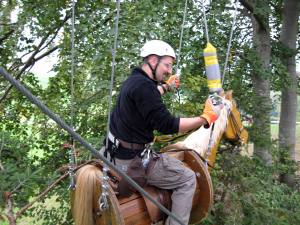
(134, 208)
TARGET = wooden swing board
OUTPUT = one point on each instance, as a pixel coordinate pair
(133, 210)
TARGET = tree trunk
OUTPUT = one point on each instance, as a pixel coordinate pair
(287, 124)
(261, 83)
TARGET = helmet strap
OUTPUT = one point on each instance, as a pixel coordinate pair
(154, 70)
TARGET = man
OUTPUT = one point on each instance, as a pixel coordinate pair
(139, 111)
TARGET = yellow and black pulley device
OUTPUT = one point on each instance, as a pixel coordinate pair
(213, 73)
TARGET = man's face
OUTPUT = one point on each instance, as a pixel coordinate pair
(164, 68)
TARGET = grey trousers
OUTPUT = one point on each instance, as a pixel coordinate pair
(170, 173)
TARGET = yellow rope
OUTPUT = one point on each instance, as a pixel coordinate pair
(170, 138)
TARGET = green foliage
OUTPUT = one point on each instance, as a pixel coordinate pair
(54, 210)
(31, 144)
(248, 192)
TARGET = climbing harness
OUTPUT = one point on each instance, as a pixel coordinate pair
(146, 155)
(103, 202)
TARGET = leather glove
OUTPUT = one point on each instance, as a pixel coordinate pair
(173, 83)
(211, 111)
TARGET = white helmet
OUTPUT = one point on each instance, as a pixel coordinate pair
(157, 47)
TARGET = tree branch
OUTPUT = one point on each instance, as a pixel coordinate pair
(23, 209)
(9, 207)
(196, 22)
(232, 9)
(31, 60)
(8, 24)
(257, 17)
(13, 67)
(46, 53)
(8, 196)
(54, 36)
(6, 35)
(9, 201)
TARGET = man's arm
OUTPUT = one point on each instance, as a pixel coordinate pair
(187, 124)
(163, 88)
(210, 115)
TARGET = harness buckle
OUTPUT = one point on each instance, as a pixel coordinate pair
(146, 155)
(113, 139)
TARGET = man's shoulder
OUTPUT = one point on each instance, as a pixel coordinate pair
(138, 77)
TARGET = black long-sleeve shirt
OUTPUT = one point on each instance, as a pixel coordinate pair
(140, 110)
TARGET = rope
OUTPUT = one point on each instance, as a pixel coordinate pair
(1, 148)
(230, 36)
(103, 202)
(236, 126)
(213, 125)
(72, 63)
(170, 138)
(116, 32)
(229, 42)
(210, 142)
(181, 35)
(205, 22)
(178, 72)
(72, 153)
(78, 138)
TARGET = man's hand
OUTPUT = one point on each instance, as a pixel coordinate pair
(211, 112)
(173, 83)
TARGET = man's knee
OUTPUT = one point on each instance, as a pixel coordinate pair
(190, 177)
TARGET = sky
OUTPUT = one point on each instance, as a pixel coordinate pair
(42, 69)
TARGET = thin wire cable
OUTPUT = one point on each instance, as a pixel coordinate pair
(116, 32)
(1, 148)
(103, 202)
(72, 153)
(72, 64)
(178, 73)
(229, 42)
(205, 22)
(78, 138)
(181, 36)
